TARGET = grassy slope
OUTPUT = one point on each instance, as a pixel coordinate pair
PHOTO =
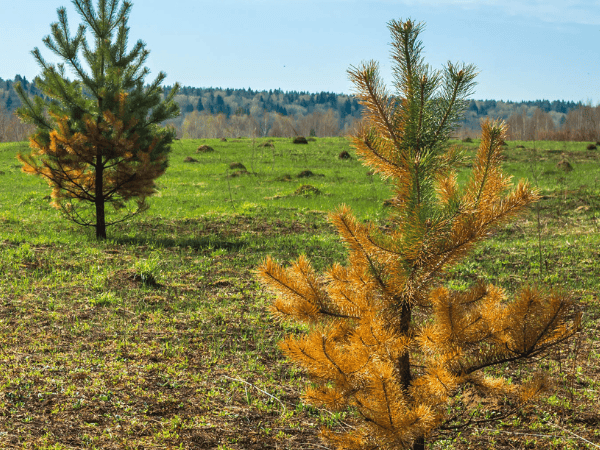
(93, 357)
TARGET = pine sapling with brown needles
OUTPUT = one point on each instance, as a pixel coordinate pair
(386, 338)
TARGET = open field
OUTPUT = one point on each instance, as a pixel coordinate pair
(160, 337)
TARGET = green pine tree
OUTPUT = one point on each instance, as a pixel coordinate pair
(108, 97)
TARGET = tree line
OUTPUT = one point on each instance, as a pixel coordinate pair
(225, 112)
(579, 124)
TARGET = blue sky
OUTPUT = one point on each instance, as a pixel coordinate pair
(524, 49)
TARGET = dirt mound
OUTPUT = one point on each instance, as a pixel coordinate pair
(306, 190)
(237, 173)
(344, 155)
(286, 177)
(564, 165)
(266, 144)
(591, 147)
(237, 165)
(306, 174)
(189, 159)
(205, 149)
(223, 140)
(300, 140)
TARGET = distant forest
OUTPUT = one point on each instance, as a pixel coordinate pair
(218, 112)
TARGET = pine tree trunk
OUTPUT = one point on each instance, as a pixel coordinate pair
(99, 201)
(419, 444)
(100, 220)
(404, 360)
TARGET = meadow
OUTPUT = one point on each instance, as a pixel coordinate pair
(161, 337)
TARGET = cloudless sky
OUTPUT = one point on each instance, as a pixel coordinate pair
(524, 49)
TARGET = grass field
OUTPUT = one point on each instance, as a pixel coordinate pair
(160, 337)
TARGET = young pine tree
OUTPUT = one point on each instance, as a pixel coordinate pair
(386, 338)
(99, 141)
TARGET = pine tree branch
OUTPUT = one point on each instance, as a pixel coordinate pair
(320, 310)
(58, 175)
(387, 403)
(421, 111)
(446, 254)
(382, 158)
(488, 163)
(520, 355)
(74, 217)
(365, 253)
(326, 354)
(476, 422)
(307, 279)
(343, 294)
(126, 217)
(119, 186)
(451, 103)
(368, 78)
